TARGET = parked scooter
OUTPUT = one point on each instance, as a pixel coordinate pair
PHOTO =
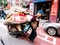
(21, 25)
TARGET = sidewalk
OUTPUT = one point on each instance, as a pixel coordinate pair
(8, 39)
(43, 38)
(2, 21)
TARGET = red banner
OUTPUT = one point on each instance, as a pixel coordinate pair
(54, 11)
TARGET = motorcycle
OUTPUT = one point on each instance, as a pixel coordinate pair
(18, 24)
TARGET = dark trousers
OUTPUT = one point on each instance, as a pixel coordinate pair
(32, 35)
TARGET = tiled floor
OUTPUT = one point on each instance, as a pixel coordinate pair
(44, 39)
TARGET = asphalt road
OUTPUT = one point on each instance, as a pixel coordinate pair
(9, 40)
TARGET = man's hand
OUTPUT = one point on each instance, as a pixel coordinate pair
(39, 15)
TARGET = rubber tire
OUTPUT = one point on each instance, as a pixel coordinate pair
(11, 33)
(54, 29)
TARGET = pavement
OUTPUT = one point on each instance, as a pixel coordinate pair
(8, 39)
(42, 37)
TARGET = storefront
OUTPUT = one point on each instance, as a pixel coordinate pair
(45, 4)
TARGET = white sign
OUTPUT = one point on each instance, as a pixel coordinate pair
(31, 8)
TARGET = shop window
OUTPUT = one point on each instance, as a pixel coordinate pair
(46, 8)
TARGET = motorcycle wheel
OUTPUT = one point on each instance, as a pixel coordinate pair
(11, 31)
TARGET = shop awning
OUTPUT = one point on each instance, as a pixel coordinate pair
(41, 0)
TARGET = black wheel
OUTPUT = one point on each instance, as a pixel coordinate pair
(52, 31)
(12, 30)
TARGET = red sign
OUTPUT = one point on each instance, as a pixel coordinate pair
(54, 11)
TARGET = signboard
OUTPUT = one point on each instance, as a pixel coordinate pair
(15, 17)
(54, 11)
(39, 0)
(17, 2)
(32, 8)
